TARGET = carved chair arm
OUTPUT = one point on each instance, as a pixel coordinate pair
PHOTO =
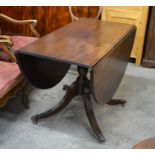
(32, 23)
(6, 41)
(74, 18)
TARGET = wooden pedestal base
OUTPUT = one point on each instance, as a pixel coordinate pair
(80, 87)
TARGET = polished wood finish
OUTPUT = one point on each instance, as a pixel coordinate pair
(49, 18)
(146, 144)
(71, 92)
(35, 73)
(72, 44)
(136, 15)
(111, 68)
(31, 23)
(98, 47)
(79, 87)
(149, 52)
(24, 94)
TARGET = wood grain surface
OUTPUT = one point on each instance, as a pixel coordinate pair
(104, 47)
(108, 73)
(149, 50)
(49, 18)
(83, 42)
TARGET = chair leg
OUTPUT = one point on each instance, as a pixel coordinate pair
(24, 96)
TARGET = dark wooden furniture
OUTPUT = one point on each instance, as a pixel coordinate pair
(56, 17)
(11, 79)
(146, 144)
(149, 52)
(98, 47)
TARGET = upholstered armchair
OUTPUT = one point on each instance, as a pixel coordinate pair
(11, 79)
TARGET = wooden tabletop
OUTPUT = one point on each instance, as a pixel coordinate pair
(83, 42)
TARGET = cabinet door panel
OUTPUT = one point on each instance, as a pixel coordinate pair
(130, 15)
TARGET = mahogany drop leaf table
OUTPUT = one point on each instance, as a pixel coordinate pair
(99, 47)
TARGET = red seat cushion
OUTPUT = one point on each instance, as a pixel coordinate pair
(10, 76)
(21, 41)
